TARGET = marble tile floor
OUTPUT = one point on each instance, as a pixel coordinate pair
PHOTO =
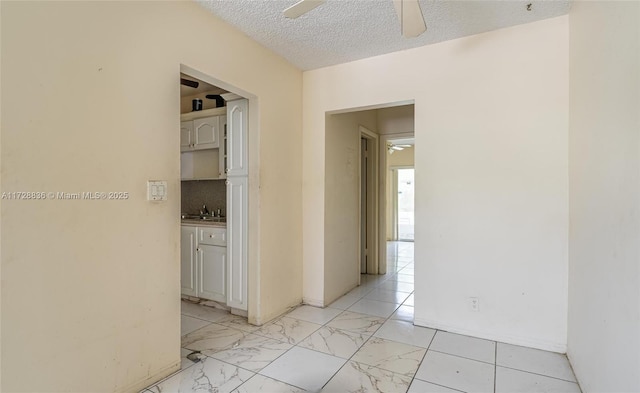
(363, 342)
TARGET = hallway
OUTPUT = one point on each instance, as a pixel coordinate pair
(365, 342)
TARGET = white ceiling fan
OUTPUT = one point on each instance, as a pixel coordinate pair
(412, 22)
(391, 147)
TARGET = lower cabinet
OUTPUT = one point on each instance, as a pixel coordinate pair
(188, 268)
(203, 265)
(212, 267)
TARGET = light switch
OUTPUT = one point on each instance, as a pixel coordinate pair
(156, 190)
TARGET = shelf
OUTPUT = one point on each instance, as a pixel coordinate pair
(202, 179)
(203, 113)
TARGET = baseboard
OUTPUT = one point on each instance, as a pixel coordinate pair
(313, 302)
(277, 314)
(238, 312)
(152, 380)
(503, 338)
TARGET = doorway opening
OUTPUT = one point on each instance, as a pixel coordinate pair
(216, 196)
(399, 184)
(355, 192)
(404, 203)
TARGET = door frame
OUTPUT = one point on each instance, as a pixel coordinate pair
(254, 312)
(373, 214)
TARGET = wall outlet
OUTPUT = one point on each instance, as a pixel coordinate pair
(474, 304)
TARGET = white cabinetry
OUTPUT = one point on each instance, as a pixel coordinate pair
(204, 276)
(212, 263)
(237, 118)
(237, 201)
(187, 138)
(200, 134)
(237, 207)
(203, 144)
(207, 131)
(188, 267)
(222, 153)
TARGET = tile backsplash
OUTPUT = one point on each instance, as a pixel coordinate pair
(212, 193)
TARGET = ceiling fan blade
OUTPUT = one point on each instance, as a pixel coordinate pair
(302, 7)
(189, 83)
(411, 19)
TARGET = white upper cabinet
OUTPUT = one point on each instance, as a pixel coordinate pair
(200, 134)
(201, 130)
(237, 117)
(206, 132)
(186, 135)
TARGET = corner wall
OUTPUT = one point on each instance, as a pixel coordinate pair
(90, 102)
(604, 162)
(491, 120)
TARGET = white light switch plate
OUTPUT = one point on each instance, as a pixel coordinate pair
(156, 190)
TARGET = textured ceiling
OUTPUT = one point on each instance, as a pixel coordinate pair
(345, 30)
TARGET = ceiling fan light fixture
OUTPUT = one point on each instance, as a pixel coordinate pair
(412, 22)
(302, 7)
(391, 147)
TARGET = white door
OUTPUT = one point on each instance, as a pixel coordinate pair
(186, 135)
(212, 268)
(237, 117)
(188, 268)
(206, 131)
(237, 208)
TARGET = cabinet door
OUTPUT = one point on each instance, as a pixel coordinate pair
(186, 135)
(222, 156)
(206, 132)
(237, 117)
(237, 208)
(188, 268)
(212, 266)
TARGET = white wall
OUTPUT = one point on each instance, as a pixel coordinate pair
(491, 120)
(90, 102)
(403, 157)
(395, 120)
(604, 135)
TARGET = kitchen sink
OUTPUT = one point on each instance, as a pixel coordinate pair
(203, 217)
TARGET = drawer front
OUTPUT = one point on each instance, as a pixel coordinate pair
(212, 236)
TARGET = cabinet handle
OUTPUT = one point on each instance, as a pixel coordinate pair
(226, 170)
(211, 236)
(226, 182)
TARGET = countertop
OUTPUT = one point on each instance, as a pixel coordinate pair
(208, 223)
